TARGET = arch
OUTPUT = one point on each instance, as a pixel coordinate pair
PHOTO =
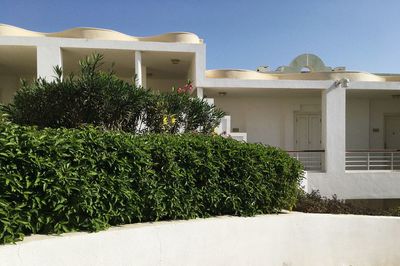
(308, 61)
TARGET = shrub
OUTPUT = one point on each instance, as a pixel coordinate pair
(314, 203)
(100, 98)
(61, 180)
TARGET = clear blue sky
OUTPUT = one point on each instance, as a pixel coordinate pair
(362, 35)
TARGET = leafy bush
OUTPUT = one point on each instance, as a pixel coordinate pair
(100, 98)
(314, 203)
(61, 180)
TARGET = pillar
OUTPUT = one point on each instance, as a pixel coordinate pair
(47, 58)
(334, 128)
(138, 68)
(144, 76)
(200, 92)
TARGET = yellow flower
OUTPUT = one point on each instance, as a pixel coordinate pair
(165, 120)
(173, 120)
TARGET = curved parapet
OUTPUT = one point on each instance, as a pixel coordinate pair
(317, 70)
(389, 77)
(354, 76)
(8, 30)
(101, 34)
(238, 74)
(253, 75)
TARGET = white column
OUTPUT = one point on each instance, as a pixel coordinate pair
(138, 68)
(200, 92)
(47, 57)
(144, 76)
(334, 128)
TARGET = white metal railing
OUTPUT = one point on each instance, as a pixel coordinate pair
(373, 160)
(312, 160)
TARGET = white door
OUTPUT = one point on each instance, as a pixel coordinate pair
(301, 132)
(314, 132)
(392, 132)
(308, 132)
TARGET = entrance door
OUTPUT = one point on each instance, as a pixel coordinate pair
(308, 132)
(392, 132)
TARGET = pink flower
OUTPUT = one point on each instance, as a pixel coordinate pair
(188, 87)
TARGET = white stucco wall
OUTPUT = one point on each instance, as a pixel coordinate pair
(285, 239)
(161, 84)
(362, 116)
(380, 108)
(334, 129)
(48, 56)
(165, 84)
(269, 120)
(8, 86)
(357, 123)
(356, 184)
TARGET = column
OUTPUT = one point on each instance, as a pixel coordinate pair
(200, 92)
(334, 128)
(144, 76)
(47, 57)
(138, 68)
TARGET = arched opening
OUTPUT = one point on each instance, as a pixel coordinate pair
(305, 69)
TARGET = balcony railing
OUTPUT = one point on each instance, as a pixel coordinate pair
(373, 160)
(311, 159)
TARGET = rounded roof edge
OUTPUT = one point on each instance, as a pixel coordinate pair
(238, 74)
(101, 34)
(328, 75)
(332, 75)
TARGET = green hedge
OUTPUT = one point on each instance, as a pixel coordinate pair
(61, 180)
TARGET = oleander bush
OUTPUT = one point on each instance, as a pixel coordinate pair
(86, 179)
(100, 98)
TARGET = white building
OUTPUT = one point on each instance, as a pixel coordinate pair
(344, 125)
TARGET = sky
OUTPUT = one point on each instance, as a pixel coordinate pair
(361, 35)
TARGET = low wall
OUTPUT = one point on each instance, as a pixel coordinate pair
(284, 239)
(356, 184)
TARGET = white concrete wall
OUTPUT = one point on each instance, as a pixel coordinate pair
(380, 108)
(356, 184)
(8, 86)
(159, 84)
(362, 116)
(357, 123)
(334, 129)
(192, 71)
(165, 84)
(269, 120)
(47, 58)
(285, 239)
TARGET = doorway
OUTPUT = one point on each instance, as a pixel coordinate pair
(307, 131)
(392, 132)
